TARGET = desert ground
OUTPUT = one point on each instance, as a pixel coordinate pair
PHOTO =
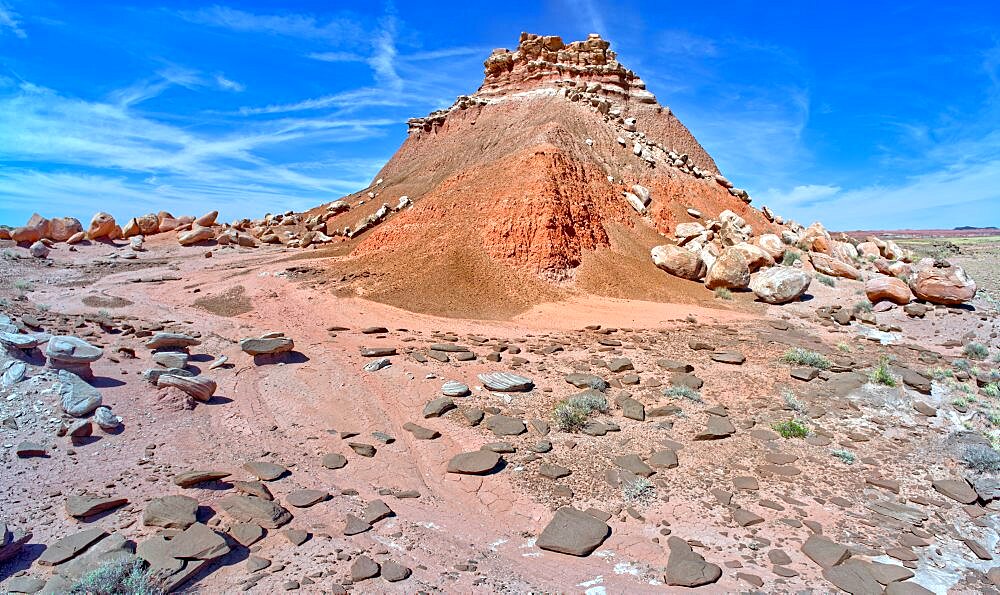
(747, 502)
(550, 348)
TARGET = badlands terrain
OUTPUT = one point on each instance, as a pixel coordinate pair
(549, 349)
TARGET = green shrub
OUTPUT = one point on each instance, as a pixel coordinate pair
(684, 392)
(723, 294)
(792, 402)
(124, 576)
(790, 257)
(863, 306)
(976, 351)
(572, 414)
(638, 491)
(826, 280)
(992, 390)
(844, 455)
(982, 458)
(844, 347)
(881, 374)
(961, 364)
(804, 357)
(940, 373)
(791, 429)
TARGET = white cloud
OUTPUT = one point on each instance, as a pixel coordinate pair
(229, 85)
(677, 41)
(588, 12)
(336, 57)
(110, 155)
(947, 197)
(10, 20)
(288, 25)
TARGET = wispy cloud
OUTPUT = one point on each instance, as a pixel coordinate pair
(942, 198)
(383, 59)
(336, 57)
(289, 25)
(228, 84)
(119, 154)
(587, 12)
(677, 41)
(149, 88)
(10, 21)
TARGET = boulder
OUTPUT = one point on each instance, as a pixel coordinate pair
(71, 350)
(940, 282)
(829, 265)
(869, 250)
(63, 228)
(195, 236)
(573, 532)
(756, 256)
(730, 271)
(102, 225)
(35, 229)
(678, 261)
(772, 244)
(77, 238)
(505, 382)
(883, 287)
(76, 397)
(39, 250)
(780, 285)
(207, 220)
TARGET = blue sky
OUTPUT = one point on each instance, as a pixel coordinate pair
(881, 117)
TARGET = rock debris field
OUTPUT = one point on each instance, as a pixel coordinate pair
(698, 395)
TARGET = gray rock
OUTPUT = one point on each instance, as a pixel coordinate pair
(505, 382)
(72, 350)
(14, 372)
(76, 396)
(105, 419)
(453, 388)
(587, 381)
(573, 532)
(378, 364)
(685, 568)
(780, 284)
(267, 346)
(477, 462)
(171, 359)
(164, 340)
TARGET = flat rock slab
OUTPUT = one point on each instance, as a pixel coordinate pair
(163, 340)
(265, 471)
(269, 346)
(72, 350)
(246, 534)
(198, 542)
(438, 407)
(253, 488)
(505, 382)
(634, 464)
(377, 351)
(420, 432)
(573, 532)
(502, 425)
(364, 568)
(334, 460)
(685, 568)
(956, 489)
(395, 572)
(354, 525)
(71, 546)
(306, 498)
(718, 427)
(248, 509)
(553, 471)
(85, 506)
(190, 479)
(824, 551)
(587, 381)
(728, 357)
(477, 462)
